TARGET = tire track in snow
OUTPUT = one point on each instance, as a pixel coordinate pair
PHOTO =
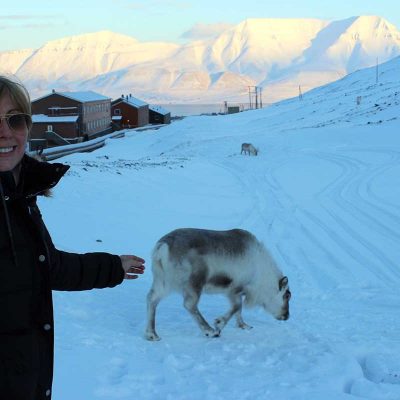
(352, 190)
(335, 191)
(370, 194)
(363, 218)
(364, 258)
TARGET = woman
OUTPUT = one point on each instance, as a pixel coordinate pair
(30, 265)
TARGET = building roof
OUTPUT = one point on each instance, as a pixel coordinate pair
(42, 118)
(129, 99)
(82, 97)
(159, 109)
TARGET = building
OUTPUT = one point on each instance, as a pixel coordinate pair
(233, 109)
(159, 115)
(133, 112)
(49, 131)
(93, 112)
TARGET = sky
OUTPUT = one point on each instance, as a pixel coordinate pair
(322, 194)
(26, 24)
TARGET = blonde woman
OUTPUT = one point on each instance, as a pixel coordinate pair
(30, 266)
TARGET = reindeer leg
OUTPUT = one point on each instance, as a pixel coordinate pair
(191, 301)
(192, 293)
(239, 321)
(236, 304)
(152, 301)
(236, 309)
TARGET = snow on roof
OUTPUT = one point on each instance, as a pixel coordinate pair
(82, 97)
(116, 117)
(159, 109)
(41, 118)
(130, 100)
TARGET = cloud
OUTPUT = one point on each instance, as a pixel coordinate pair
(153, 5)
(206, 31)
(12, 18)
(29, 21)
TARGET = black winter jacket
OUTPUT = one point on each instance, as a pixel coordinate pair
(30, 267)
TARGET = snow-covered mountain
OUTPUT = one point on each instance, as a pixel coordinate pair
(275, 54)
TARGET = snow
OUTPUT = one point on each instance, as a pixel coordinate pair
(322, 194)
(130, 100)
(158, 109)
(40, 118)
(83, 97)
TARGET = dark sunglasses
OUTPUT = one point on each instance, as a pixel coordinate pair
(17, 122)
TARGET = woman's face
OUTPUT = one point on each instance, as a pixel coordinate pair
(12, 142)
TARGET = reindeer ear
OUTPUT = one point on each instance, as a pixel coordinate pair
(283, 282)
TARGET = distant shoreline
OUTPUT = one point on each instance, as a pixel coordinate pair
(186, 110)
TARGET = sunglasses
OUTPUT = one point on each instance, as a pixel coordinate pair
(17, 122)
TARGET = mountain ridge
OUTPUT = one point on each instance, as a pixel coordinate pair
(278, 55)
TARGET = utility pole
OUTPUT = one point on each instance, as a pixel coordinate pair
(376, 74)
(300, 94)
(250, 105)
(256, 91)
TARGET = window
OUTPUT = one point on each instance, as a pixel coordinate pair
(117, 111)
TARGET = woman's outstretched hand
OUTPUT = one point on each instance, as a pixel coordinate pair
(133, 266)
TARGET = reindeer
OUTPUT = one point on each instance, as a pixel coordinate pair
(234, 263)
(249, 149)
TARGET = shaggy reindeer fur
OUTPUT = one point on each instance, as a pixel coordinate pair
(249, 149)
(234, 262)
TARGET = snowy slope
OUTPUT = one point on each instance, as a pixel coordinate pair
(323, 194)
(11, 61)
(276, 54)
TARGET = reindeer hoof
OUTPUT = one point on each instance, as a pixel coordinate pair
(245, 326)
(152, 336)
(214, 333)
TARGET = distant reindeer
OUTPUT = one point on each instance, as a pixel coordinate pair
(249, 149)
(234, 263)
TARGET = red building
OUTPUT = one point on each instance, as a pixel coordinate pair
(159, 115)
(57, 109)
(133, 112)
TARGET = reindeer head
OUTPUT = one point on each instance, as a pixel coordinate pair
(278, 302)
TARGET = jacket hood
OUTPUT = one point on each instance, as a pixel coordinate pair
(37, 177)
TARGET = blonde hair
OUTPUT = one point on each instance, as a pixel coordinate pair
(17, 92)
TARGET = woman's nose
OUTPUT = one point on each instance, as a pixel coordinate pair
(5, 130)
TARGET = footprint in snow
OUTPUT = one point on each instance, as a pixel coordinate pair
(381, 378)
(118, 369)
(381, 368)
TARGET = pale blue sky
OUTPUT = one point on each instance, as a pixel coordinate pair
(30, 24)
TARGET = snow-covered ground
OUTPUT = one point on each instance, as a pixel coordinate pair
(323, 194)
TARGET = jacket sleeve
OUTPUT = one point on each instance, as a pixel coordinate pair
(70, 271)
